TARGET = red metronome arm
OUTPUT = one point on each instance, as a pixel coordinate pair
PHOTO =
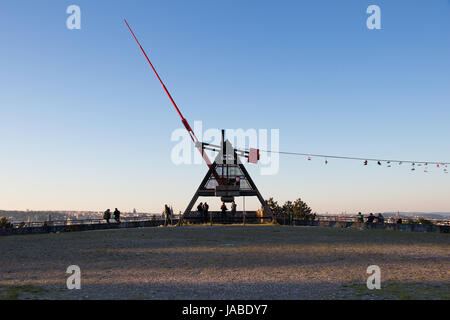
(183, 120)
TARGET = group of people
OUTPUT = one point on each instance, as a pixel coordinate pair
(370, 219)
(379, 219)
(115, 216)
(203, 211)
(202, 208)
(224, 209)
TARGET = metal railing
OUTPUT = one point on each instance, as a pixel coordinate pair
(194, 217)
(67, 222)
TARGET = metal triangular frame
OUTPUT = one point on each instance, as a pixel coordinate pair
(203, 191)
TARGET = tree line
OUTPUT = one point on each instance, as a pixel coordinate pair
(298, 208)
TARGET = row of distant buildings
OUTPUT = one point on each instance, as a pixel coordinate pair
(61, 215)
(50, 215)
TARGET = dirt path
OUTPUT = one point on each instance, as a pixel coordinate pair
(233, 262)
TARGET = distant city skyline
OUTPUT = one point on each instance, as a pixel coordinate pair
(85, 125)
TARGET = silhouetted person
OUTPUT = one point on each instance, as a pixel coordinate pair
(360, 217)
(107, 215)
(205, 212)
(117, 215)
(399, 221)
(224, 209)
(166, 215)
(370, 219)
(380, 219)
(233, 209)
(200, 209)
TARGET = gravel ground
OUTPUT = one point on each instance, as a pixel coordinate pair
(226, 262)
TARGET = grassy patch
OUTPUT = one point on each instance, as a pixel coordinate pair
(17, 292)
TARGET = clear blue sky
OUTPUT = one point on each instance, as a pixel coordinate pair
(84, 124)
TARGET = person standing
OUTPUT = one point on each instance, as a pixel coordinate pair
(117, 215)
(370, 220)
(205, 212)
(380, 219)
(107, 215)
(200, 209)
(166, 215)
(360, 217)
(233, 209)
(224, 209)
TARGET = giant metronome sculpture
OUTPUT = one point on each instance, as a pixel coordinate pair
(227, 177)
